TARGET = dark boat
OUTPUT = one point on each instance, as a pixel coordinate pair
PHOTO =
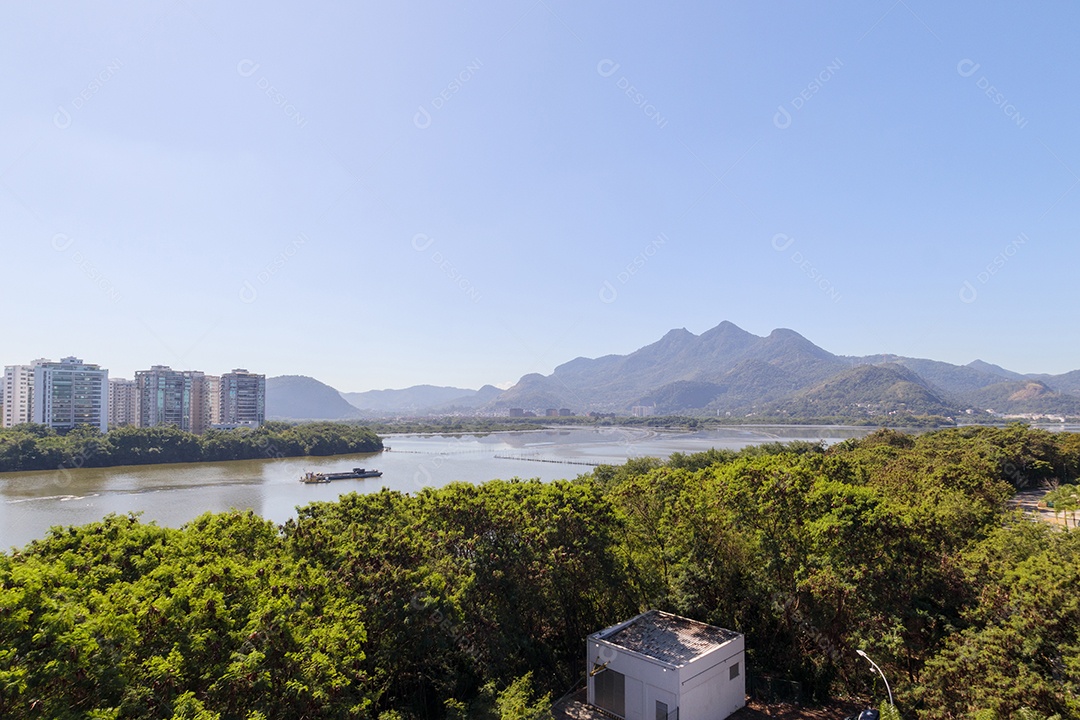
(354, 474)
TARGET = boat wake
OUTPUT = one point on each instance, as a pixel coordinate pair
(61, 498)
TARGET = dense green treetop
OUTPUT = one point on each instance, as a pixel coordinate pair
(37, 447)
(474, 600)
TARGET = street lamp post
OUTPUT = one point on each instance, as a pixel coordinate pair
(863, 654)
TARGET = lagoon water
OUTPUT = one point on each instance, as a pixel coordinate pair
(32, 502)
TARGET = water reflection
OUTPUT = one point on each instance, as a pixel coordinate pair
(171, 495)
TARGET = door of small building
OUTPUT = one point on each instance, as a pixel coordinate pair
(610, 689)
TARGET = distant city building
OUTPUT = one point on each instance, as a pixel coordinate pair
(517, 412)
(200, 411)
(123, 402)
(173, 397)
(19, 394)
(213, 399)
(70, 393)
(243, 398)
(565, 412)
(551, 412)
(643, 410)
(164, 397)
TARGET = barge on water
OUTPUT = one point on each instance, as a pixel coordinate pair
(354, 474)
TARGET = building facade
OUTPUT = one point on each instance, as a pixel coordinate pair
(213, 400)
(18, 394)
(173, 397)
(123, 402)
(70, 393)
(243, 399)
(663, 666)
(164, 397)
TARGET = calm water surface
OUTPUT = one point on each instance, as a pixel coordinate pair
(32, 502)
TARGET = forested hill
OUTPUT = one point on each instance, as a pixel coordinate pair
(474, 601)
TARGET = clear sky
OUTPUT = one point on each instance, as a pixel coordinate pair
(387, 194)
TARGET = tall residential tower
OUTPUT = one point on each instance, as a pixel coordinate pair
(243, 398)
(173, 397)
(18, 394)
(123, 402)
(71, 393)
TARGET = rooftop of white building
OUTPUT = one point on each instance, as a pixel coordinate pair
(665, 637)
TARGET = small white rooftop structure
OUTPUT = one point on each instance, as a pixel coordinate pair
(665, 667)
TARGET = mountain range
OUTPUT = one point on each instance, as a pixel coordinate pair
(724, 371)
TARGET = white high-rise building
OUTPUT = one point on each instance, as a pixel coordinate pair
(70, 393)
(123, 405)
(19, 394)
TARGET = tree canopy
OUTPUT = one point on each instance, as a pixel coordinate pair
(474, 600)
(37, 447)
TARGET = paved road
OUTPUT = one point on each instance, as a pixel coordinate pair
(1028, 501)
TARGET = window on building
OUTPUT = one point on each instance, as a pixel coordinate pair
(661, 711)
(733, 672)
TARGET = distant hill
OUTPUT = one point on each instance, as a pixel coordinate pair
(727, 370)
(707, 361)
(298, 397)
(1066, 383)
(866, 391)
(994, 370)
(941, 376)
(419, 399)
(465, 403)
(747, 386)
(723, 371)
(1024, 396)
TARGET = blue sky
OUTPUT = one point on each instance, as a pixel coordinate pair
(387, 194)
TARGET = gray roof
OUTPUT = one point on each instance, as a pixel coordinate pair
(668, 638)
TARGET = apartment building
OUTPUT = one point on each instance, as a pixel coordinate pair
(243, 398)
(70, 393)
(123, 402)
(182, 398)
(18, 394)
